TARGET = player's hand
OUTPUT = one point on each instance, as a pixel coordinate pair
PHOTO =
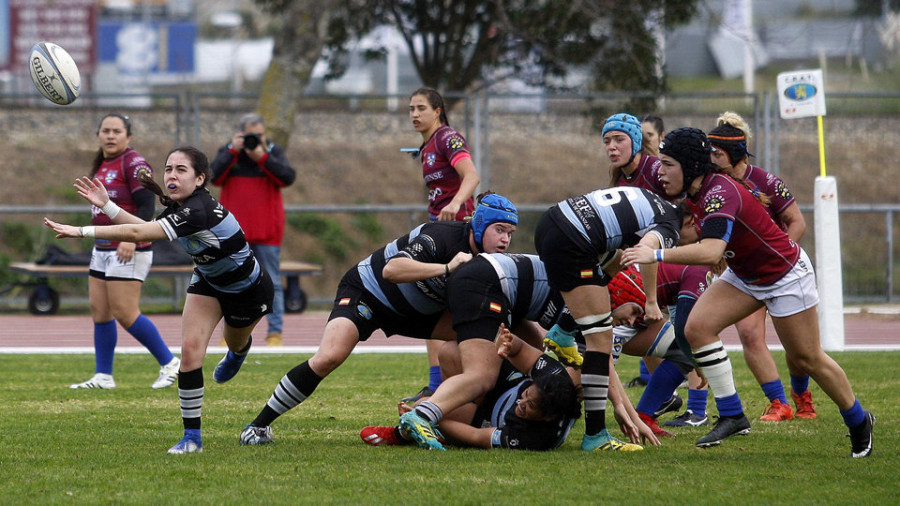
(460, 258)
(646, 434)
(63, 231)
(125, 252)
(92, 190)
(652, 313)
(639, 254)
(449, 212)
(504, 341)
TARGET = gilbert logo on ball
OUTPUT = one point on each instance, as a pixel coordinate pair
(54, 73)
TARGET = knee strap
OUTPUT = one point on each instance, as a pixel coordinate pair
(595, 324)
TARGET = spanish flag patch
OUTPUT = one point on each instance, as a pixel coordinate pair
(344, 302)
(587, 273)
(496, 307)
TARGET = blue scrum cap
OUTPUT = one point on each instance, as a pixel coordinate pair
(492, 208)
(629, 125)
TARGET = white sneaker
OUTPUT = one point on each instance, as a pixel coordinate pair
(167, 374)
(99, 380)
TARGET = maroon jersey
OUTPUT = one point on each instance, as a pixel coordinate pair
(440, 154)
(120, 177)
(774, 187)
(646, 176)
(758, 251)
(673, 281)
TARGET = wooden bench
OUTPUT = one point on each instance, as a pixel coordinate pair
(45, 300)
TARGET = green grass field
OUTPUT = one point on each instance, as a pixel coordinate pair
(93, 446)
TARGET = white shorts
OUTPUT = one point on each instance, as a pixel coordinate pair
(106, 265)
(792, 294)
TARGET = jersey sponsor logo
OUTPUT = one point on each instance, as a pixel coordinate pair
(782, 191)
(541, 364)
(344, 302)
(111, 176)
(434, 176)
(262, 308)
(582, 208)
(430, 158)
(548, 314)
(434, 194)
(364, 310)
(713, 204)
(455, 142)
(496, 307)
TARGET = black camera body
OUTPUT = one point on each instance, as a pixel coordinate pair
(251, 141)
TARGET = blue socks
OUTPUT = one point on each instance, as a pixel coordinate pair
(645, 373)
(146, 333)
(800, 384)
(854, 416)
(774, 390)
(105, 337)
(663, 382)
(434, 377)
(697, 401)
(729, 406)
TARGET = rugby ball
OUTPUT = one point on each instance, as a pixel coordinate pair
(54, 73)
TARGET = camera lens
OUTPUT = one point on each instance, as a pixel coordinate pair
(251, 141)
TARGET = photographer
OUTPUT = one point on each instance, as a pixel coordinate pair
(251, 171)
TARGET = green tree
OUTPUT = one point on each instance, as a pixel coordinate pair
(459, 45)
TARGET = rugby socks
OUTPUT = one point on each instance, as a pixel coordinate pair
(190, 393)
(595, 382)
(774, 390)
(713, 361)
(800, 384)
(434, 377)
(298, 384)
(855, 416)
(430, 411)
(105, 337)
(663, 382)
(645, 373)
(697, 401)
(147, 334)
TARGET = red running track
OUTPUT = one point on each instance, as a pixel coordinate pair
(302, 333)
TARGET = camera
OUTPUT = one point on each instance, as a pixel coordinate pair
(251, 141)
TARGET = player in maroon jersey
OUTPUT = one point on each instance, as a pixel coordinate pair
(654, 130)
(118, 269)
(451, 179)
(729, 141)
(628, 165)
(765, 269)
(446, 162)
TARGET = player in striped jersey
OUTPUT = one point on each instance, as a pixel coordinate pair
(227, 281)
(570, 238)
(400, 289)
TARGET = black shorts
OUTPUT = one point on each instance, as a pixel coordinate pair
(354, 302)
(239, 309)
(569, 264)
(477, 303)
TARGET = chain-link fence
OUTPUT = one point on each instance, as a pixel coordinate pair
(535, 149)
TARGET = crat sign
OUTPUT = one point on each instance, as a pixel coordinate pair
(801, 94)
(68, 23)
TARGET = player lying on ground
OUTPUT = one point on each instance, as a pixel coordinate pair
(532, 406)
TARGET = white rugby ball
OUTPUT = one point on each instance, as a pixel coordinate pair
(54, 73)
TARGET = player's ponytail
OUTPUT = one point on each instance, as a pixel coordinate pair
(148, 183)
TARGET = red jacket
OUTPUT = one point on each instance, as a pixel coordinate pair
(252, 191)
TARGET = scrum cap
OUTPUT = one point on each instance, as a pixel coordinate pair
(690, 148)
(492, 208)
(629, 125)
